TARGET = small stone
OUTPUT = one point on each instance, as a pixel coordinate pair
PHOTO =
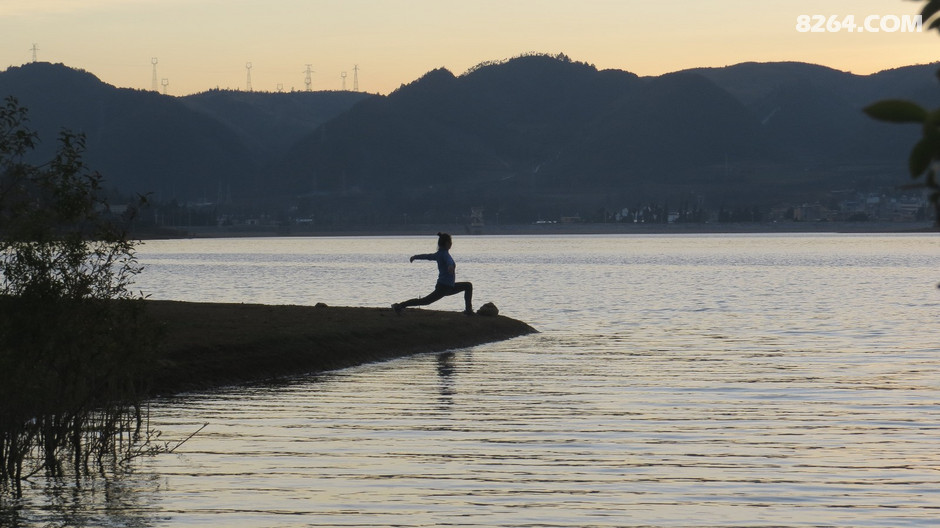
(489, 310)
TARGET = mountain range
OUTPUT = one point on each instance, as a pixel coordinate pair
(530, 137)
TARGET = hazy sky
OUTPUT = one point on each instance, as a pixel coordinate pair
(203, 44)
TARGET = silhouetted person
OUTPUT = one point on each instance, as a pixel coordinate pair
(446, 278)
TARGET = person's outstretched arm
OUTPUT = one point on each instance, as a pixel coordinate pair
(427, 256)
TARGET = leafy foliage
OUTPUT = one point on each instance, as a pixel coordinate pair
(931, 14)
(73, 341)
(925, 155)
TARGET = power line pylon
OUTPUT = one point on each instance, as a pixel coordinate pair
(308, 80)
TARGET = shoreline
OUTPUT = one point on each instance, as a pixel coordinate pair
(206, 346)
(553, 229)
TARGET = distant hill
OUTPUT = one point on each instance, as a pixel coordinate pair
(190, 148)
(269, 124)
(529, 137)
(540, 135)
(813, 112)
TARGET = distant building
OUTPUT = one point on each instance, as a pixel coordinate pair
(810, 213)
(476, 217)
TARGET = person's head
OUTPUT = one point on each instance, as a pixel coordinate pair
(444, 241)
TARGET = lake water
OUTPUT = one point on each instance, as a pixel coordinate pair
(708, 380)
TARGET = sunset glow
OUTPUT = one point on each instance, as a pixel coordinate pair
(205, 44)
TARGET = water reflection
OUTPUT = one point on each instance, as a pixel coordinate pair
(127, 498)
(445, 372)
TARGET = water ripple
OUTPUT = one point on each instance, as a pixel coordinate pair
(677, 381)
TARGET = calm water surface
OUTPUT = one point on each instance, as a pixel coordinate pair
(751, 380)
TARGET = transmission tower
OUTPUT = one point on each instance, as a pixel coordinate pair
(308, 80)
(355, 77)
(34, 49)
(153, 61)
(248, 67)
(343, 76)
(165, 82)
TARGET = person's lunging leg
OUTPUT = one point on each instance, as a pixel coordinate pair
(441, 291)
(467, 289)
